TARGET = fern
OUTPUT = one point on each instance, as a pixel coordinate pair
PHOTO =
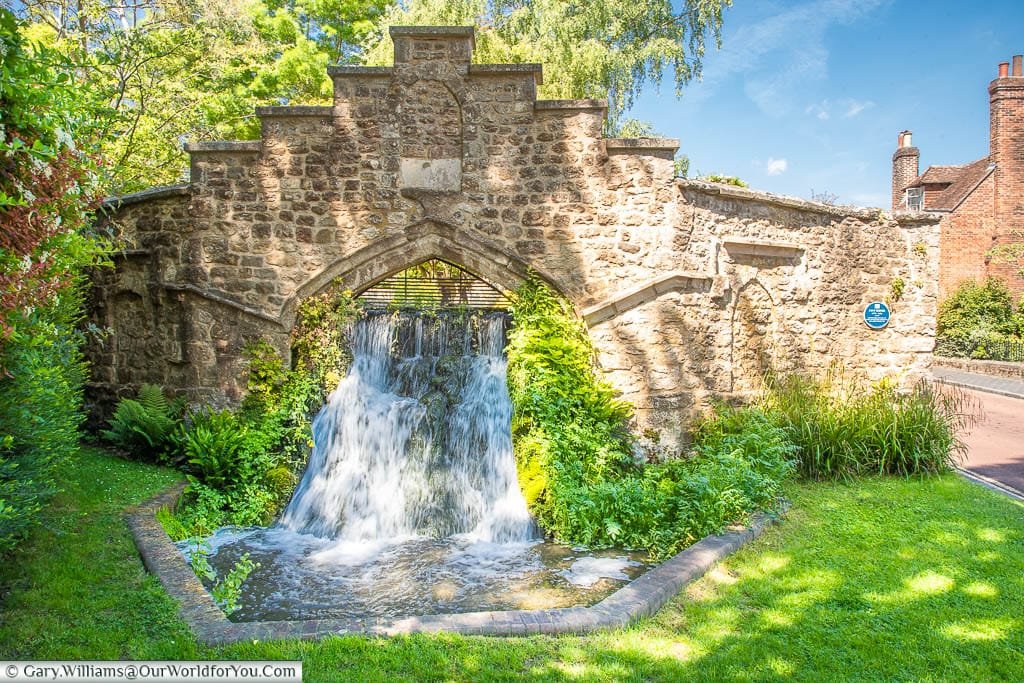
(143, 427)
(152, 398)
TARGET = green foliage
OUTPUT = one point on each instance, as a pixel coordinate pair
(40, 411)
(980, 307)
(143, 427)
(602, 49)
(843, 428)
(167, 70)
(634, 128)
(318, 337)
(212, 446)
(47, 187)
(681, 166)
(978, 318)
(723, 179)
(896, 289)
(738, 465)
(575, 456)
(226, 592)
(1011, 251)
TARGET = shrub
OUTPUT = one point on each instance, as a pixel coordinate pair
(40, 412)
(980, 320)
(212, 447)
(986, 307)
(47, 189)
(844, 428)
(574, 453)
(144, 426)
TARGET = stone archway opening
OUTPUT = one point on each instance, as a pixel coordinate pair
(434, 284)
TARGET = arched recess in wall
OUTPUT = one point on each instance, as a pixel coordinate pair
(754, 328)
(366, 267)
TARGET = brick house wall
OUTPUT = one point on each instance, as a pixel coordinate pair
(981, 204)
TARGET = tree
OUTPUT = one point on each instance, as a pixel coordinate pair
(158, 72)
(589, 48)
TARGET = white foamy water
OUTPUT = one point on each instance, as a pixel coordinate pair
(410, 502)
(416, 439)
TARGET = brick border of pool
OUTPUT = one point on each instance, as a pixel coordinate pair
(641, 597)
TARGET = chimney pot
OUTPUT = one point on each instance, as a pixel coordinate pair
(907, 139)
(1017, 66)
(1004, 69)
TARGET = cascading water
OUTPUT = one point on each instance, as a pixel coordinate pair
(410, 503)
(416, 439)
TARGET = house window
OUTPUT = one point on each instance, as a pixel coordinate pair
(915, 198)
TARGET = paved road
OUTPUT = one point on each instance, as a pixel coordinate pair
(996, 444)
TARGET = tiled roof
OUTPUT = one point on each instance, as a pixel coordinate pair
(961, 181)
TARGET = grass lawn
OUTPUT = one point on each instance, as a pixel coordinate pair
(881, 579)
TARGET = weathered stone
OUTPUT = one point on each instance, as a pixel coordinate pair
(691, 290)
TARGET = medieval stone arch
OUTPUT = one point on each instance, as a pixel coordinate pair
(440, 157)
(366, 267)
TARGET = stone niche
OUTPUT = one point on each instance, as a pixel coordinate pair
(689, 289)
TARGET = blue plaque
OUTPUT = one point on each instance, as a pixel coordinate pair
(876, 315)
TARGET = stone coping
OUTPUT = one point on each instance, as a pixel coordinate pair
(994, 368)
(570, 104)
(756, 247)
(525, 68)
(744, 193)
(223, 146)
(295, 110)
(346, 70)
(641, 597)
(634, 296)
(431, 31)
(145, 196)
(671, 144)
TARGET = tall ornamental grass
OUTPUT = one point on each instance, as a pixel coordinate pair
(843, 427)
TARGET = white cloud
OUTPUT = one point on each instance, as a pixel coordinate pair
(848, 107)
(776, 166)
(777, 55)
(819, 111)
(853, 107)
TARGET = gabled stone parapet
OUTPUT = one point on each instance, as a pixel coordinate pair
(688, 287)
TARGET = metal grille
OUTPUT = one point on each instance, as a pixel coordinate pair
(433, 284)
(979, 349)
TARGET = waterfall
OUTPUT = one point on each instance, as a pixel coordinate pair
(416, 439)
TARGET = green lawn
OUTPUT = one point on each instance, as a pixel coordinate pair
(882, 579)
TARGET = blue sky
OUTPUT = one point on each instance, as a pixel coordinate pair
(812, 94)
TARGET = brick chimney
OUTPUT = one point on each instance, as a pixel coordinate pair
(1006, 144)
(905, 168)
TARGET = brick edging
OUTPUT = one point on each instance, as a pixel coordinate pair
(641, 597)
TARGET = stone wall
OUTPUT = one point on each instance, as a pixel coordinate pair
(690, 289)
